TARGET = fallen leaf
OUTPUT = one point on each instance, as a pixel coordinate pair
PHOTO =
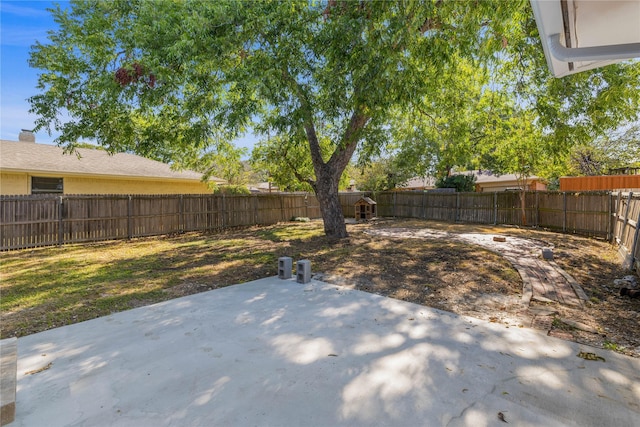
(590, 356)
(35, 371)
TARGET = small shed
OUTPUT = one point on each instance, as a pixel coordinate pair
(365, 209)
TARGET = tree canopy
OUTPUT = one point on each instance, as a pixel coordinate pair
(171, 79)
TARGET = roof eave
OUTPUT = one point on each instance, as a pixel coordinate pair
(562, 60)
(108, 176)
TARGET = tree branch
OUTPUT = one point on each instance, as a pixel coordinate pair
(309, 126)
(342, 154)
(297, 174)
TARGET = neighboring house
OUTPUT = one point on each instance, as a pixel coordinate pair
(30, 168)
(487, 181)
(263, 187)
(418, 183)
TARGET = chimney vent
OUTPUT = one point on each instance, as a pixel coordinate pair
(27, 136)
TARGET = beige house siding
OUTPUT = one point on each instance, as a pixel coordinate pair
(17, 184)
(80, 185)
(14, 184)
(487, 187)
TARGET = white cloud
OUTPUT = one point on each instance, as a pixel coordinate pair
(12, 8)
(22, 36)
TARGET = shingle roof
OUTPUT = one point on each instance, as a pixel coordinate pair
(419, 182)
(41, 158)
(366, 200)
(486, 177)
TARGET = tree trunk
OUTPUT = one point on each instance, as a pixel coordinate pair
(328, 173)
(523, 205)
(327, 192)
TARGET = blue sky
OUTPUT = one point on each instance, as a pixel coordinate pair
(22, 23)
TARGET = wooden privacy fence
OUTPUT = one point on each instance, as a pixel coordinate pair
(32, 221)
(606, 215)
(581, 213)
(626, 217)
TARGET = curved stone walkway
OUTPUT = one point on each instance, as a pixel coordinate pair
(542, 280)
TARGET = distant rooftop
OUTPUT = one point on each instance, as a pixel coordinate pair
(485, 176)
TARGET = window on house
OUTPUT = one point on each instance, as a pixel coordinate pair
(41, 185)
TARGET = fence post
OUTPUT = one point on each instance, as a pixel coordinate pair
(537, 208)
(394, 204)
(129, 219)
(255, 208)
(457, 207)
(181, 215)
(495, 208)
(609, 217)
(222, 213)
(61, 221)
(281, 208)
(564, 212)
(626, 215)
(617, 215)
(634, 245)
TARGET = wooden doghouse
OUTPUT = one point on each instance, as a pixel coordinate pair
(365, 209)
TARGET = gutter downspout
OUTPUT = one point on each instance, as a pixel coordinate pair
(595, 53)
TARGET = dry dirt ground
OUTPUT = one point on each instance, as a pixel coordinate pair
(469, 280)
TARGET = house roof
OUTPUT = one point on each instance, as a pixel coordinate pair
(366, 200)
(50, 159)
(419, 182)
(579, 35)
(263, 186)
(488, 177)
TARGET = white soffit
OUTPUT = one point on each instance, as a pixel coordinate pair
(578, 35)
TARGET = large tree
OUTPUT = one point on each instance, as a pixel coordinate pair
(449, 126)
(617, 150)
(475, 118)
(161, 77)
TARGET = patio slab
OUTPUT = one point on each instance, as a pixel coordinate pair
(279, 353)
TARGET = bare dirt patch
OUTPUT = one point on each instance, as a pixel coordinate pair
(607, 320)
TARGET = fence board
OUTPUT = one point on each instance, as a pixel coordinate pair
(587, 214)
(476, 208)
(626, 228)
(509, 208)
(440, 206)
(269, 209)
(29, 222)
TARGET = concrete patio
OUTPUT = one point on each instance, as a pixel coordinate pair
(278, 353)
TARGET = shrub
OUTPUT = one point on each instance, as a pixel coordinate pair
(232, 189)
(461, 183)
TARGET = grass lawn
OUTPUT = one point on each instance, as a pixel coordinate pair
(50, 287)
